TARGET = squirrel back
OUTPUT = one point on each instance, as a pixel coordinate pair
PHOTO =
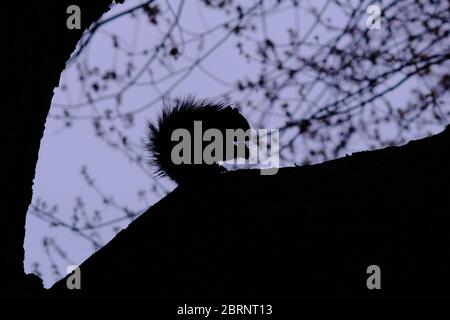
(181, 114)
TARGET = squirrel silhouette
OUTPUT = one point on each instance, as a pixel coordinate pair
(181, 114)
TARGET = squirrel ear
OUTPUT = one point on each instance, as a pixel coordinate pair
(234, 109)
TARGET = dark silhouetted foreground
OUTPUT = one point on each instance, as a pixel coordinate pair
(303, 233)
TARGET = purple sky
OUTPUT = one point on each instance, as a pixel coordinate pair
(64, 152)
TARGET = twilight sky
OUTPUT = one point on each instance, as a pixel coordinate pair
(64, 152)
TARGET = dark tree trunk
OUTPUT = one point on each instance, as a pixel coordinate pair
(306, 232)
(38, 44)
